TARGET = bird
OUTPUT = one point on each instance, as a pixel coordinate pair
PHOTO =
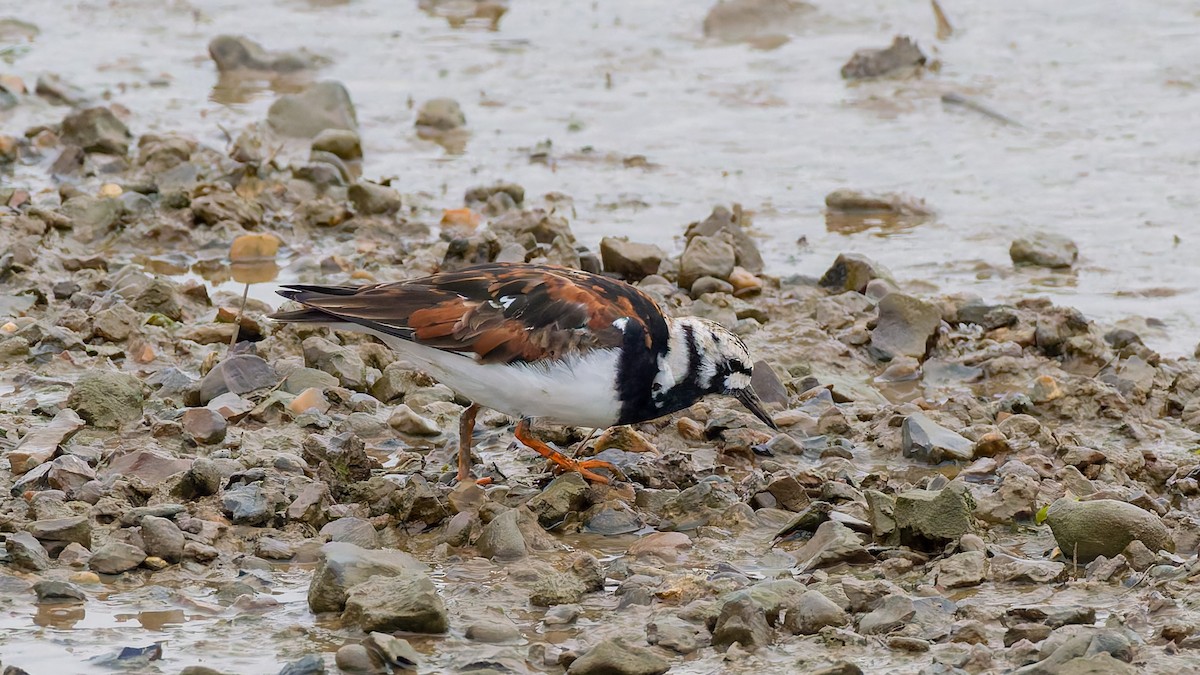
(541, 341)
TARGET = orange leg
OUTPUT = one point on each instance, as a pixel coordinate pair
(466, 429)
(565, 463)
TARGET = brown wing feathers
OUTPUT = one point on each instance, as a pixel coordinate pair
(501, 313)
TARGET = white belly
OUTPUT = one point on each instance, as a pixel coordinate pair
(577, 391)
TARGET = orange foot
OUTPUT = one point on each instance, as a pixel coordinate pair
(566, 463)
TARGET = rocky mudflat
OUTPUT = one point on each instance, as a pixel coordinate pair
(960, 485)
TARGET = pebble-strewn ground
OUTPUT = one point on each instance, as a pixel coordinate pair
(960, 486)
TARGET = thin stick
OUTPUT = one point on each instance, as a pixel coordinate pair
(944, 29)
(237, 323)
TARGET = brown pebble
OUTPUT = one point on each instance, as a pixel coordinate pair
(309, 399)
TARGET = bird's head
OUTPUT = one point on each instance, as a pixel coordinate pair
(704, 358)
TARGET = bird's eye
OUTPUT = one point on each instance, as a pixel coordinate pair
(656, 387)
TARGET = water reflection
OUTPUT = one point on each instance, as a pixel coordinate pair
(62, 616)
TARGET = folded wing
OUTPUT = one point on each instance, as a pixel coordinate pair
(500, 313)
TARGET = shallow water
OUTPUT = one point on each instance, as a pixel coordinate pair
(1107, 154)
(1105, 91)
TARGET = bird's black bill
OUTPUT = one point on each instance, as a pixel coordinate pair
(755, 405)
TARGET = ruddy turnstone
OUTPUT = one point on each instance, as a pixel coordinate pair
(536, 341)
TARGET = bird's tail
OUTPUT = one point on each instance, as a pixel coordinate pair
(303, 293)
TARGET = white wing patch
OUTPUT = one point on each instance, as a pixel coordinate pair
(620, 324)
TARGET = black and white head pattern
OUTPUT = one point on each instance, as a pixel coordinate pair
(702, 358)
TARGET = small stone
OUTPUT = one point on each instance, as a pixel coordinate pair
(309, 400)
(74, 555)
(302, 379)
(1045, 389)
(342, 362)
(324, 105)
(892, 613)
(406, 421)
(832, 543)
(441, 114)
(962, 570)
(705, 257)
(1101, 663)
(135, 515)
(235, 53)
(671, 632)
(706, 285)
(935, 516)
(408, 602)
(150, 465)
(194, 550)
(372, 199)
(91, 218)
(695, 506)
(342, 143)
(553, 588)
(501, 539)
(1138, 556)
(562, 615)
(631, 261)
(1034, 632)
(69, 473)
(57, 591)
(206, 475)
(565, 494)
(246, 505)
(354, 659)
(116, 557)
(58, 91)
(969, 632)
(162, 538)
(26, 552)
(107, 400)
(393, 651)
(342, 566)
(84, 578)
(1006, 568)
(493, 632)
(238, 374)
(852, 272)
(759, 22)
(160, 296)
(742, 620)
(929, 441)
(483, 194)
(1103, 527)
(205, 426)
(352, 531)
(218, 207)
(1044, 250)
(666, 546)
(73, 528)
(271, 548)
(725, 224)
(96, 130)
(904, 643)
(744, 282)
(901, 57)
(812, 612)
(309, 665)
(41, 443)
(906, 327)
(616, 657)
